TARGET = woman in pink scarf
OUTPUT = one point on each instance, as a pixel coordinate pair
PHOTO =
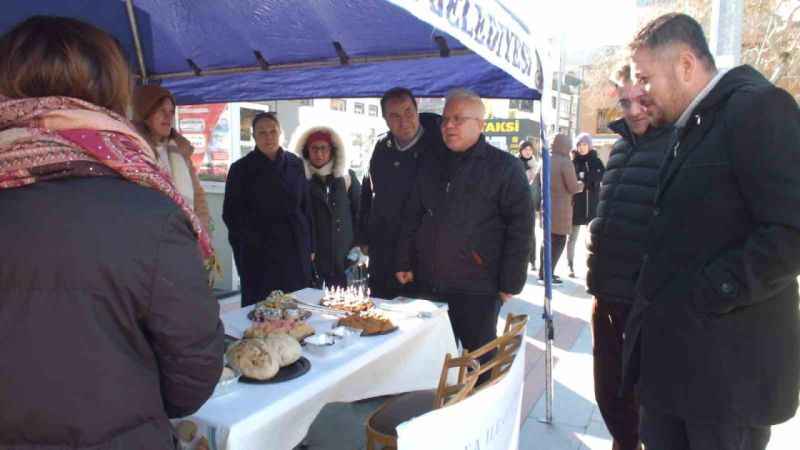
(107, 324)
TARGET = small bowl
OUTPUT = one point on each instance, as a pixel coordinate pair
(320, 344)
(345, 335)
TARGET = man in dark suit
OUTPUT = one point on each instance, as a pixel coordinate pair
(714, 335)
(393, 168)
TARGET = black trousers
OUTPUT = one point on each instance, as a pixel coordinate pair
(666, 432)
(558, 242)
(473, 317)
(532, 256)
(620, 409)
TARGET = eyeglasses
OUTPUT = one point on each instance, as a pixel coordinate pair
(457, 120)
(626, 103)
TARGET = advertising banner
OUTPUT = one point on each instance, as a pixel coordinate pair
(207, 128)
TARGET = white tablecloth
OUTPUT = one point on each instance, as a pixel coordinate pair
(278, 416)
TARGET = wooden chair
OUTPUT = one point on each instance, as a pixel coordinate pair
(496, 356)
(381, 424)
(499, 354)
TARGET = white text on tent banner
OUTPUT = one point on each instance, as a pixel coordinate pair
(485, 27)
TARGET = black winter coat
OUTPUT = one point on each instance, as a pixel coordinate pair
(584, 203)
(107, 324)
(716, 320)
(267, 210)
(627, 196)
(469, 231)
(335, 210)
(385, 191)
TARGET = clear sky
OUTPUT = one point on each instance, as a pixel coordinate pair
(585, 24)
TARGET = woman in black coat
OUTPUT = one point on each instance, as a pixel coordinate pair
(335, 200)
(531, 163)
(589, 170)
(268, 213)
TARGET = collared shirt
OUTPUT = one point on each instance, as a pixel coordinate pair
(699, 98)
(410, 143)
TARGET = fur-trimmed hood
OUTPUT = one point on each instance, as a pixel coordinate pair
(341, 164)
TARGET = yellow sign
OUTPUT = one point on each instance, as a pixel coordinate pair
(501, 126)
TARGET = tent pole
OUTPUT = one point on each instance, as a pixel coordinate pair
(547, 264)
(330, 62)
(136, 41)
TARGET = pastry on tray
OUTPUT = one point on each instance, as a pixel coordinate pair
(347, 299)
(279, 300)
(298, 329)
(370, 322)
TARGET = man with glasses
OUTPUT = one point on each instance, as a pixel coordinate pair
(616, 247)
(466, 235)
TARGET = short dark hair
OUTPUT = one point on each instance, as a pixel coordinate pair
(399, 93)
(675, 28)
(269, 115)
(58, 56)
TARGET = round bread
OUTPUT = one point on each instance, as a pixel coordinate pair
(286, 348)
(253, 359)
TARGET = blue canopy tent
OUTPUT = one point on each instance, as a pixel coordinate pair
(208, 51)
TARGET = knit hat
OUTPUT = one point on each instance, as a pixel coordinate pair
(320, 136)
(583, 138)
(146, 99)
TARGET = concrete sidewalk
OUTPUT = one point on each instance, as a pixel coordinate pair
(577, 423)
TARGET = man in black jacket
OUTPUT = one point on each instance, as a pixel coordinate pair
(714, 335)
(616, 247)
(386, 187)
(466, 235)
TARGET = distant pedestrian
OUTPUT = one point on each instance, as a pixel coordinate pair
(589, 169)
(532, 163)
(563, 185)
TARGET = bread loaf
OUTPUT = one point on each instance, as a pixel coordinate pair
(253, 359)
(285, 348)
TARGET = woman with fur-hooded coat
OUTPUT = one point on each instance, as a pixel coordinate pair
(335, 199)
